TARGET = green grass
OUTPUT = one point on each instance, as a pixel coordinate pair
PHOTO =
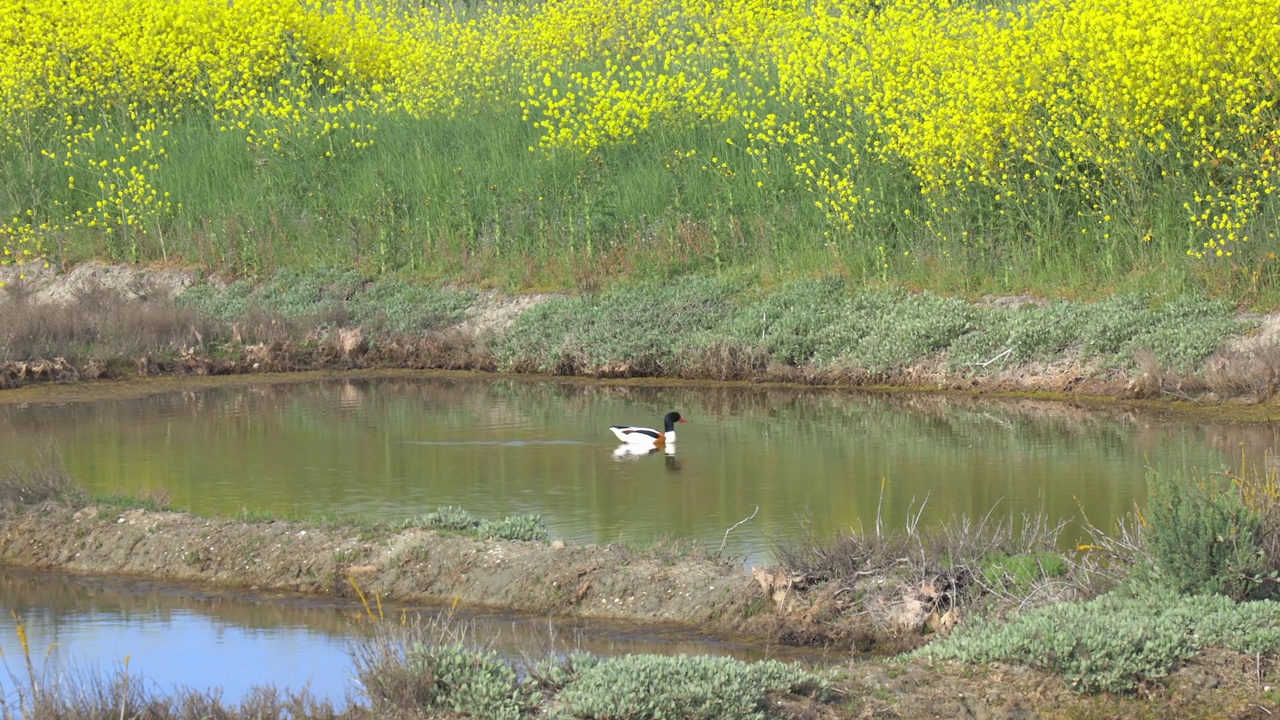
(465, 200)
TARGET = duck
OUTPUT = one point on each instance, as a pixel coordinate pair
(648, 437)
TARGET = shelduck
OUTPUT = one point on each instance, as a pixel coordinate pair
(648, 437)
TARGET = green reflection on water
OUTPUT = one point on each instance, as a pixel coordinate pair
(391, 448)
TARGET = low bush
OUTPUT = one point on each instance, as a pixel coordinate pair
(434, 667)
(333, 297)
(649, 329)
(1180, 333)
(1203, 537)
(1119, 640)
(642, 328)
(639, 687)
(472, 682)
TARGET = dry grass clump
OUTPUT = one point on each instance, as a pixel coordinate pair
(394, 686)
(891, 589)
(1253, 371)
(101, 322)
(43, 480)
(1015, 561)
(123, 696)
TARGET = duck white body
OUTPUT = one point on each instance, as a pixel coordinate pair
(648, 437)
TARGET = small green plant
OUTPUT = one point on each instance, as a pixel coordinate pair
(637, 687)
(514, 527)
(1021, 571)
(154, 501)
(1202, 536)
(455, 519)
(449, 517)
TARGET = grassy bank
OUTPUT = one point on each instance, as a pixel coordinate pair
(830, 331)
(1072, 149)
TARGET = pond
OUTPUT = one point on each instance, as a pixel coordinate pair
(393, 446)
(813, 461)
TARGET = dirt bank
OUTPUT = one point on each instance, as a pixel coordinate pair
(411, 565)
(890, 604)
(173, 341)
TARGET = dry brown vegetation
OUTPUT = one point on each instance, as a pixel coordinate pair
(892, 589)
(99, 323)
(39, 482)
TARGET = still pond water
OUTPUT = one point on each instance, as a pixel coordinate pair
(390, 448)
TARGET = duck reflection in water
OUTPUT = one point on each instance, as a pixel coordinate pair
(626, 452)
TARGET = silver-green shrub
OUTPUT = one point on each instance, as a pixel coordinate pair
(639, 687)
(388, 304)
(1203, 537)
(472, 682)
(1118, 640)
(449, 517)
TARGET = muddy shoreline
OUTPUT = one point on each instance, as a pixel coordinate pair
(414, 565)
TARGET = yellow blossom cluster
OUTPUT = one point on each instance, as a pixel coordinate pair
(942, 117)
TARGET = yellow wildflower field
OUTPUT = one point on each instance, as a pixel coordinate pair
(921, 125)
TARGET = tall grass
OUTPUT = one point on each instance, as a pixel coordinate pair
(465, 199)
(1041, 145)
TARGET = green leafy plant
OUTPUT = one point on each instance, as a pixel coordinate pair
(514, 527)
(1202, 536)
(638, 687)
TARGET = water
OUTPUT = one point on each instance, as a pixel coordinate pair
(393, 447)
(173, 635)
(812, 461)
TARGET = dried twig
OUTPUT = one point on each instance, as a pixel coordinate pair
(735, 525)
